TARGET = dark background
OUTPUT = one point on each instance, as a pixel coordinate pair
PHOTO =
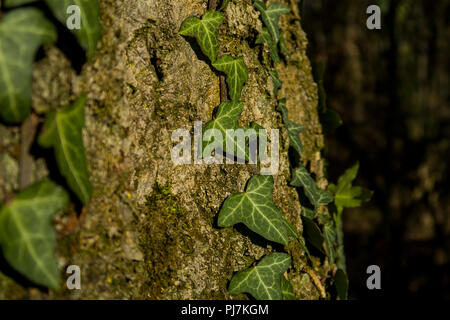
(391, 89)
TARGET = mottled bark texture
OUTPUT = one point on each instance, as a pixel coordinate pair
(150, 231)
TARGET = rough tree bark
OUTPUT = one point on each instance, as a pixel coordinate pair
(150, 231)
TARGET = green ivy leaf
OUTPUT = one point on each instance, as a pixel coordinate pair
(292, 128)
(341, 283)
(237, 74)
(329, 118)
(287, 289)
(265, 38)
(27, 236)
(224, 5)
(255, 208)
(329, 234)
(307, 212)
(312, 233)
(340, 253)
(346, 195)
(15, 3)
(263, 281)
(226, 118)
(90, 31)
(22, 32)
(317, 196)
(277, 84)
(271, 16)
(283, 48)
(63, 132)
(205, 31)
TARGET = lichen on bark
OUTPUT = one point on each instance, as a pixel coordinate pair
(150, 231)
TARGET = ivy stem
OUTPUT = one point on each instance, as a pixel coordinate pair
(27, 133)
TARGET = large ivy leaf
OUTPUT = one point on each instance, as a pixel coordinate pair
(22, 32)
(27, 236)
(346, 195)
(15, 3)
(255, 208)
(237, 74)
(265, 38)
(264, 281)
(63, 132)
(90, 31)
(317, 196)
(205, 31)
(271, 16)
(292, 128)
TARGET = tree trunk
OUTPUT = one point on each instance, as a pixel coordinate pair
(150, 230)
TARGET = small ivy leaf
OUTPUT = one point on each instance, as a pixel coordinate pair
(341, 283)
(340, 253)
(27, 236)
(277, 84)
(205, 31)
(287, 289)
(307, 212)
(283, 48)
(329, 118)
(292, 128)
(263, 281)
(22, 32)
(317, 196)
(346, 195)
(63, 132)
(255, 208)
(312, 233)
(271, 16)
(90, 31)
(15, 3)
(329, 235)
(224, 5)
(226, 118)
(265, 38)
(237, 74)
